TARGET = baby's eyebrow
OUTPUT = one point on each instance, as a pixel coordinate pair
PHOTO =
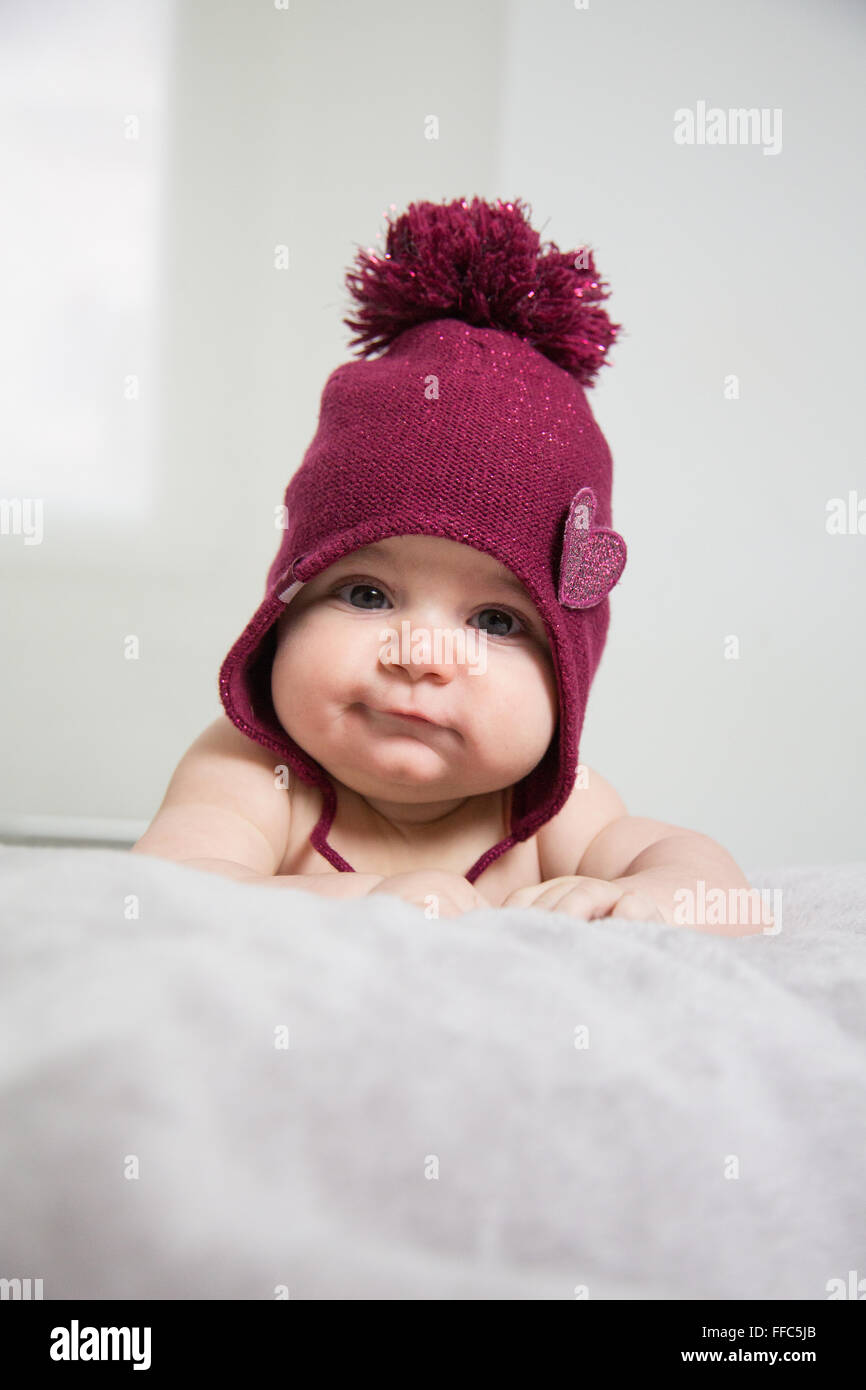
(506, 579)
(375, 548)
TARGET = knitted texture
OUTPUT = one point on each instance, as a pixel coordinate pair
(471, 432)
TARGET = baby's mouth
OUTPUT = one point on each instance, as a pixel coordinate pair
(397, 718)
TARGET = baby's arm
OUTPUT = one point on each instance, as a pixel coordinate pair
(660, 861)
(224, 812)
(598, 860)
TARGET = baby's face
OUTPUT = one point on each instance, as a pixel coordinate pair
(492, 699)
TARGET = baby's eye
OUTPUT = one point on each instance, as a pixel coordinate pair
(500, 616)
(363, 589)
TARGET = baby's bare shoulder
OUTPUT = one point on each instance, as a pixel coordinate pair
(563, 841)
(226, 800)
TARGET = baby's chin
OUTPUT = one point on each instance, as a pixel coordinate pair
(404, 776)
(410, 775)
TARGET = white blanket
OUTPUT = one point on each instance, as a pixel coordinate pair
(507, 1105)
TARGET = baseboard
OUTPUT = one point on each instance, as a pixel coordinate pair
(105, 832)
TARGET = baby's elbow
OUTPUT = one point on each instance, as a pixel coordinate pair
(211, 864)
(158, 844)
(209, 836)
(158, 851)
(143, 846)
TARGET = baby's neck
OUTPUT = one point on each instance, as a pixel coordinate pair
(423, 822)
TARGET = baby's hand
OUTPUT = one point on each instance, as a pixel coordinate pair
(587, 897)
(442, 893)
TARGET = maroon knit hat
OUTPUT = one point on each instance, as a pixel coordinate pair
(472, 425)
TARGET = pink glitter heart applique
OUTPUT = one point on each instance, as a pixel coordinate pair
(593, 558)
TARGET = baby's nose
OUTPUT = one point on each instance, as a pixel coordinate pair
(421, 647)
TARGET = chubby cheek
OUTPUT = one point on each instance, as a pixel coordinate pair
(315, 666)
(535, 705)
(513, 705)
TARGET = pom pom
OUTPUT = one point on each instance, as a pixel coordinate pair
(485, 264)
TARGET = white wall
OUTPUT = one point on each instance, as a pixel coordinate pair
(153, 257)
(721, 260)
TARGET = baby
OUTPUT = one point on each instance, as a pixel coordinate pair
(402, 712)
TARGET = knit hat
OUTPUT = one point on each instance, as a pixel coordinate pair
(473, 425)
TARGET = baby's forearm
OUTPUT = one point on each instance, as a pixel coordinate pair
(326, 885)
(678, 863)
(690, 855)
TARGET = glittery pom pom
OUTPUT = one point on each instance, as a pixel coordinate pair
(593, 558)
(483, 263)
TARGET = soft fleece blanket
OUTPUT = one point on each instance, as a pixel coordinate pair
(218, 1090)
